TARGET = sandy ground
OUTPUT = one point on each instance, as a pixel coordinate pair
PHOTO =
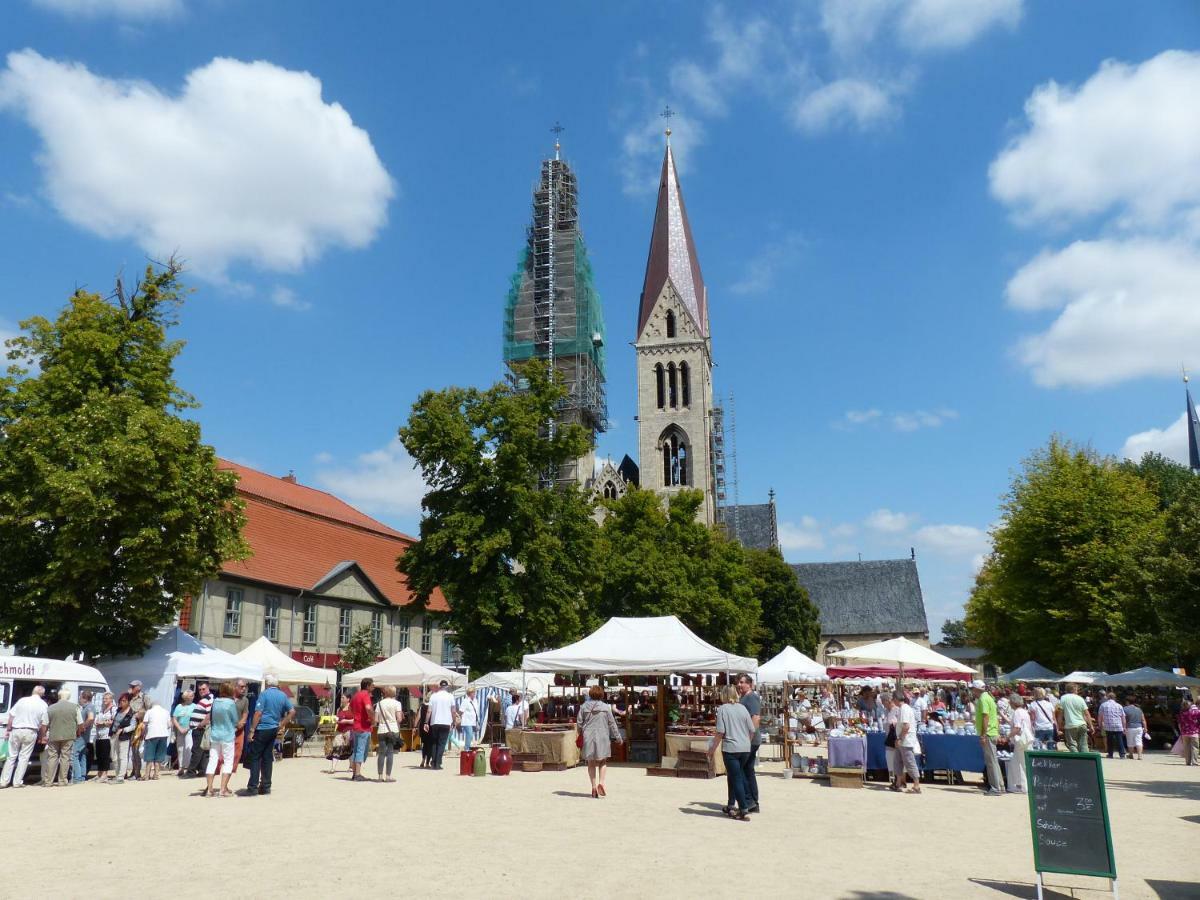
(542, 835)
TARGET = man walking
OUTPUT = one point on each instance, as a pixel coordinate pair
(1112, 717)
(360, 731)
(750, 699)
(987, 726)
(272, 712)
(65, 722)
(200, 713)
(468, 717)
(242, 703)
(27, 722)
(1074, 720)
(441, 717)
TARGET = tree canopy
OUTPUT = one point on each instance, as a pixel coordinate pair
(112, 510)
(362, 651)
(788, 614)
(513, 560)
(954, 633)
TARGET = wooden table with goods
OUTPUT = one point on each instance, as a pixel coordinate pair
(677, 742)
(553, 746)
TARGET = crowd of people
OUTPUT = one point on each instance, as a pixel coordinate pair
(133, 738)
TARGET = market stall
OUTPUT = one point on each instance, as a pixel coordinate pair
(1147, 677)
(649, 648)
(1033, 673)
(408, 668)
(175, 656)
(553, 746)
(273, 661)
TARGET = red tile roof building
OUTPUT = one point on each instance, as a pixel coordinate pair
(318, 569)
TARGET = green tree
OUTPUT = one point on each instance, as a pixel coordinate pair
(1167, 478)
(1065, 583)
(955, 634)
(514, 560)
(362, 651)
(112, 511)
(788, 614)
(658, 562)
(1175, 581)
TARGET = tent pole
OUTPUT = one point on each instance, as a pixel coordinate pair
(662, 721)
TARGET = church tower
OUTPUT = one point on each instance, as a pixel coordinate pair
(674, 357)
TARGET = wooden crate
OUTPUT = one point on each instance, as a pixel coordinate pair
(693, 773)
(845, 778)
(531, 765)
(661, 772)
(554, 766)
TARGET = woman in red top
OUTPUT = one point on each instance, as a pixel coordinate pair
(345, 716)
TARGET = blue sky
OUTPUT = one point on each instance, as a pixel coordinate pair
(934, 233)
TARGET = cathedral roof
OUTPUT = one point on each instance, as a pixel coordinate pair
(870, 597)
(673, 253)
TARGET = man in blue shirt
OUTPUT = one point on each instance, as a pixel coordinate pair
(272, 712)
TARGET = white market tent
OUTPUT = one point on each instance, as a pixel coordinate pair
(532, 683)
(902, 652)
(651, 646)
(274, 661)
(1081, 677)
(408, 668)
(173, 656)
(1148, 677)
(1032, 672)
(790, 665)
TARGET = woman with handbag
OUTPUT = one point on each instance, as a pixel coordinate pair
(387, 725)
(597, 732)
(124, 724)
(1021, 738)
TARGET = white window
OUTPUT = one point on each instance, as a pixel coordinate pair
(404, 624)
(426, 636)
(233, 613)
(310, 622)
(345, 619)
(377, 628)
(271, 617)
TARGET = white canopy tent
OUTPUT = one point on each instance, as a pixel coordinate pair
(408, 668)
(790, 665)
(173, 656)
(274, 661)
(1081, 677)
(1148, 677)
(534, 684)
(650, 646)
(902, 652)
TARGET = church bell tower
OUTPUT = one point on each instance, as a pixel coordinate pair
(674, 356)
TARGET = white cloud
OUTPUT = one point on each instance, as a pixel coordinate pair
(889, 522)
(285, 298)
(248, 163)
(383, 481)
(740, 50)
(121, 9)
(763, 269)
(805, 535)
(1125, 309)
(1126, 140)
(952, 24)
(862, 416)
(642, 150)
(845, 103)
(913, 420)
(954, 541)
(1171, 442)
(324, 457)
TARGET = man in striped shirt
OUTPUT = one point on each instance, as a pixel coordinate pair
(204, 702)
(1112, 718)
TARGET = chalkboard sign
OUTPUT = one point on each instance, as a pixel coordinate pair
(1068, 814)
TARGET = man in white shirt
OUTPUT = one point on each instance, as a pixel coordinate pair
(27, 722)
(516, 714)
(441, 717)
(907, 744)
(468, 717)
(920, 705)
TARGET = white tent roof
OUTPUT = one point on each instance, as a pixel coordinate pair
(1148, 677)
(902, 652)
(652, 646)
(790, 665)
(408, 668)
(274, 661)
(535, 683)
(1081, 677)
(38, 668)
(174, 655)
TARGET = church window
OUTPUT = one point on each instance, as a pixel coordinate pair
(660, 382)
(832, 647)
(685, 384)
(610, 491)
(672, 386)
(670, 324)
(675, 459)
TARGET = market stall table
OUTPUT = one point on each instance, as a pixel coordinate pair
(952, 752)
(847, 752)
(554, 746)
(876, 750)
(677, 742)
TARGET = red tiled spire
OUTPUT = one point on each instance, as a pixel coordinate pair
(673, 253)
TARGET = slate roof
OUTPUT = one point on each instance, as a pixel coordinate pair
(753, 525)
(629, 471)
(301, 537)
(870, 597)
(962, 654)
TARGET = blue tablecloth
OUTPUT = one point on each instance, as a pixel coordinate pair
(847, 752)
(876, 751)
(956, 752)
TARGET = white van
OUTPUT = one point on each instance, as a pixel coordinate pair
(20, 674)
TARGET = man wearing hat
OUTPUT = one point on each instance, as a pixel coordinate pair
(987, 726)
(441, 717)
(137, 703)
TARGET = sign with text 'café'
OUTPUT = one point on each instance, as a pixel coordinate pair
(1068, 814)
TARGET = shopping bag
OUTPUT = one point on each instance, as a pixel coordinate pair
(1178, 748)
(3, 750)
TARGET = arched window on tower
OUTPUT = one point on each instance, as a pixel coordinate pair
(675, 458)
(660, 385)
(685, 383)
(672, 386)
(610, 491)
(670, 324)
